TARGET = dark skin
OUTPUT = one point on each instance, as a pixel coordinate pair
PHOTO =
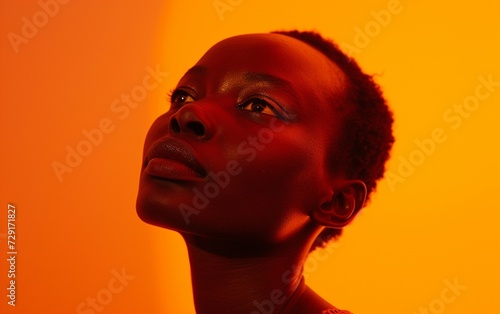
(246, 131)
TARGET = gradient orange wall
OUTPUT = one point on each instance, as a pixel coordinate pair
(431, 225)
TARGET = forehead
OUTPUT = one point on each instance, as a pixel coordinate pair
(284, 57)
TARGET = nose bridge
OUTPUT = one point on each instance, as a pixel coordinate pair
(194, 121)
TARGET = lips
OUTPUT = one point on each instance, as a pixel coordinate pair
(173, 159)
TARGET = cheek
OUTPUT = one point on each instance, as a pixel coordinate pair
(284, 173)
(271, 194)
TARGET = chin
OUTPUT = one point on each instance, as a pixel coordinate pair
(160, 207)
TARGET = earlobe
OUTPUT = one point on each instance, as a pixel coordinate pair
(342, 207)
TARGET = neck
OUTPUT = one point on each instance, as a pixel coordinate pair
(248, 283)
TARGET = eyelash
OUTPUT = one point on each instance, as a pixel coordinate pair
(259, 101)
(173, 94)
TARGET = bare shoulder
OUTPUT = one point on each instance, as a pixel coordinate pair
(311, 303)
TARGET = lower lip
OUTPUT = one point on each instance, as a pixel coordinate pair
(170, 170)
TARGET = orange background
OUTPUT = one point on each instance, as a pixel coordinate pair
(437, 225)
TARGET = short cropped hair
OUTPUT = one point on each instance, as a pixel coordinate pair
(366, 136)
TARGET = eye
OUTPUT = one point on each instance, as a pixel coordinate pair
(258, 105)
(180, 96)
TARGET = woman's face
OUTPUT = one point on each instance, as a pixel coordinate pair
(242, 153)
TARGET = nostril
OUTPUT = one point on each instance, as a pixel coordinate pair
(196, 127)
(174, 126)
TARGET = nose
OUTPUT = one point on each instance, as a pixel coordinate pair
(192, 121)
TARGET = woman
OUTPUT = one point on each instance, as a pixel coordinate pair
(270, 147)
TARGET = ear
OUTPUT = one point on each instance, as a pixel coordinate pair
(338, 211)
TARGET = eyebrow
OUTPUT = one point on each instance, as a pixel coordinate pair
(268, 78)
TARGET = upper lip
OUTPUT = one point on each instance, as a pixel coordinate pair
(169, 148)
